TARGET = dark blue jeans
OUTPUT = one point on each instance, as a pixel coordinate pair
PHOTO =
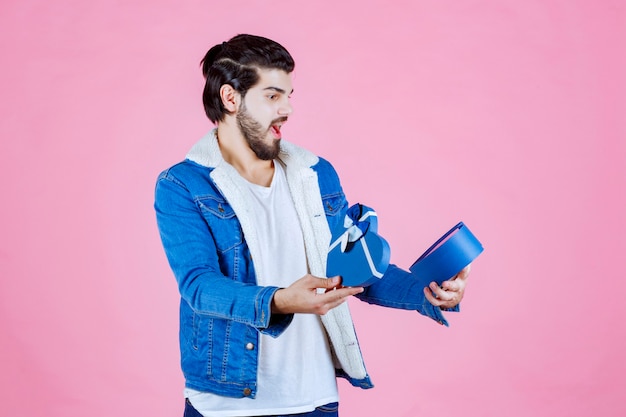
(328, 410)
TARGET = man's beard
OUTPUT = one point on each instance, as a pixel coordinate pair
(255, 135)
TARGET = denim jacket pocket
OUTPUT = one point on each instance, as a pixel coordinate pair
(333, 204)
(222, 222)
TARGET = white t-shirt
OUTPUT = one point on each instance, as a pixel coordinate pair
(295, 372)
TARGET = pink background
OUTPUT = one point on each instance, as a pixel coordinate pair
(508, 115)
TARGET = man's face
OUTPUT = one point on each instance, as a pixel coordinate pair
(264, 110)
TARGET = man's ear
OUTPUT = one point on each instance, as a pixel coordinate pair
(230, 98)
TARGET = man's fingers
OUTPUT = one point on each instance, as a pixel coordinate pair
(342, 292)
(311, 294)
(336, 297)
(450, 293)
(328, 283)
(464, 272)
(453, 285)
(457, 283)
(348, 291)
(428, 292)
(441, 293)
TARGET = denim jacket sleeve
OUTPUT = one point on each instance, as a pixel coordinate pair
(192, 254)
(401, 289)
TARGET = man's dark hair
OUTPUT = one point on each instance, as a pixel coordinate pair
(235, 63)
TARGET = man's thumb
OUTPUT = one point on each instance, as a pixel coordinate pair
(332, 282)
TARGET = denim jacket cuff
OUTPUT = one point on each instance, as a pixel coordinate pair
(435, 313)
(454, 309)
(278, 324)
(272, 324)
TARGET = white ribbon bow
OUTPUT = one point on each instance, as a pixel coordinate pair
(352, 233)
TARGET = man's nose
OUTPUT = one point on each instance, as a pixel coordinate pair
(285, 109)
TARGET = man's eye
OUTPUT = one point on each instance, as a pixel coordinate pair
(273, 96)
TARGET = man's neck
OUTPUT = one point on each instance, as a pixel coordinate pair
(236, 151)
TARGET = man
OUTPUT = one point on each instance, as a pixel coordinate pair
(245, 221)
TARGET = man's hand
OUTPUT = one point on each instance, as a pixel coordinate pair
(451, 291)
(302, 296)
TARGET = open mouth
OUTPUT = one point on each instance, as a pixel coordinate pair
(275, 129)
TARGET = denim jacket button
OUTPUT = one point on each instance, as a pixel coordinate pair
(247, 391)
(249, 346)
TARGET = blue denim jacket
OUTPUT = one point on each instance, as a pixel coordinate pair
(210, 245)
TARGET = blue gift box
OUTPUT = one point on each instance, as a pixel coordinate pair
(356, 251)
(449, 255)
